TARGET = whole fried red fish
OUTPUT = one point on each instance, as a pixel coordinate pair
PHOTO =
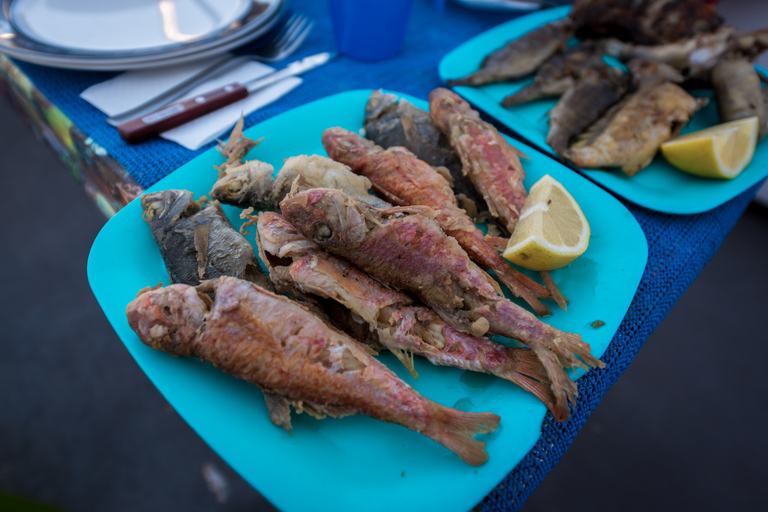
(397, 323)
(412, 253)
(491, 162)
(295, 358)
(402, 179)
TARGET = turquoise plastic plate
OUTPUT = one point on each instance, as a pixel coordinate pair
(659, 186)
(357, 463)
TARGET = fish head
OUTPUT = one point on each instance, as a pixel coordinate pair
(445, 104)
(167, 206)
(379, 103)
(345, 146)
(168, 318)
(328, 217)
(232, 187)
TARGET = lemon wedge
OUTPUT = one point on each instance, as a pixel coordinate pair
(722, 151)
(552, 230)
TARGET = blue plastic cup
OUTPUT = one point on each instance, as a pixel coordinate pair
(369, 29)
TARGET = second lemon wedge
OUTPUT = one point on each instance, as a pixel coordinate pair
(722, 151)
(552, 230)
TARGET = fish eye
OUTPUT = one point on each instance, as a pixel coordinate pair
(235, 187)
(155, 208)
(322, 232)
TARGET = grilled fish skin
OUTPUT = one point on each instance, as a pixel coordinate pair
(196, 240)
(411, 253)
(645, 72)
(294, 358)
(489, 160)
(391, 121)
(739, 93)
(558, 74)
(583, 104)
(521, 57)
(404, 180)
(632, 131)
(391, 316)
(644, 21)
(697, 56)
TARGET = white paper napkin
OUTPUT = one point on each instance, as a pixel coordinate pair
(132, 88)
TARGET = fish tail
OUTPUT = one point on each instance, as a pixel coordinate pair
(524, 95)
(554, 290)
(564, 390)
(459, 81)
(524, 287)
(456, 431)
(528, 372)
(572, 342)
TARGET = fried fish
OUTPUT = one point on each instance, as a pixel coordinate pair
(196, 240)
(521, 57)
(295, 359)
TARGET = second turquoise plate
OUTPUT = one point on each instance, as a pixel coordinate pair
(357, 463)
(659, 186)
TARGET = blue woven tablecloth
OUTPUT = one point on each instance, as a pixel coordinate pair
(679, 246)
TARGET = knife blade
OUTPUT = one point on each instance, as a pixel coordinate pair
(176, 114)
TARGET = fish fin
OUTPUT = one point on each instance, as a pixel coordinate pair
(202, 240)
(279, 409)
(252, 219)
(406, 358)
(445, 173)
(564, 390)
(519, 153)
(497, 242)
(456, 431)
(234, 136)
(524, 287)
(492, 282)
(524, 95)
(554, 290)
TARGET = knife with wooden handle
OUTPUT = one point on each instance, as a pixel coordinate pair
(176, 114)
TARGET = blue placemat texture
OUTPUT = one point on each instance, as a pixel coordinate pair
(679, 246)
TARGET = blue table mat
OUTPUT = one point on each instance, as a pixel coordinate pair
(679, 246)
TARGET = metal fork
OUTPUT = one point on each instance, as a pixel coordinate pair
(287, 41)
(293, 33)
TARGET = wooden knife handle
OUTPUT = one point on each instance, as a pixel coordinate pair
(176, 114)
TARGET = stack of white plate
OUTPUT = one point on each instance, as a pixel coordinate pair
(114, 35)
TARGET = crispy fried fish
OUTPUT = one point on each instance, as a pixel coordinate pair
(390, 315)
(295, 358)
(391, 121)
(491, 162)
(251, 184)
(632, 131)
(409, 251)
(558, 74)
(404, 180)
(595, 92)
(697, 56)
(196, 239)
(521, 57)
(738, 92)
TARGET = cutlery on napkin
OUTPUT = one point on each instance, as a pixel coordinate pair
(132, 88)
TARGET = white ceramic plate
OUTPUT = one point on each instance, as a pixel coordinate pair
(260, 18)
